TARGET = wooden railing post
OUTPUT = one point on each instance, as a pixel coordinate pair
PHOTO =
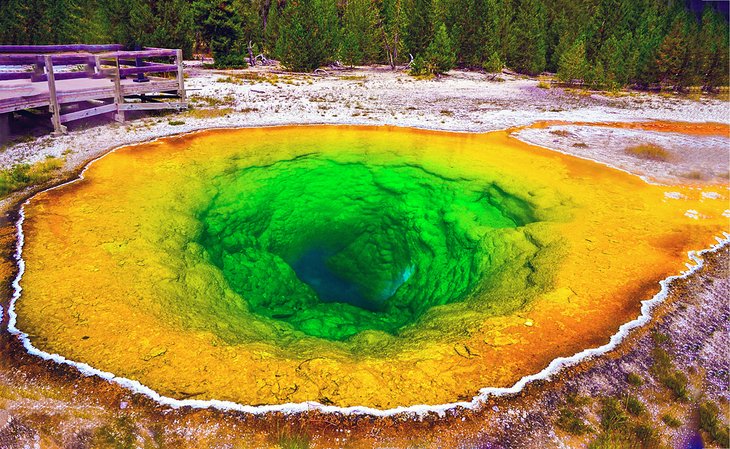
(98, 71)
(118, 96)
(37, 70)
(180, 77)
(91, 66)
(54, 106)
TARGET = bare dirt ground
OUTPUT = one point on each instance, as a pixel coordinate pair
(45, 405)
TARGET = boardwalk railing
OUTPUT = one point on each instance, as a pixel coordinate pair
(56, 75)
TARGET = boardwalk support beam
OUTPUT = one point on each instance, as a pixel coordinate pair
(4, 128)
(54, 107)
(118, 97)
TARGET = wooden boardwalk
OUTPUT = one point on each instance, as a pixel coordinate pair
(105, 78)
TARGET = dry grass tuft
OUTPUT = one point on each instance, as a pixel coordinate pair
(208, 113)
(648, 151)
(560, 133)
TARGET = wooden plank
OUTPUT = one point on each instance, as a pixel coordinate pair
(54, 107)
(157, 85)
(59, 48)
(151, 106)
(133, 62)
(9, 76)
(63, 76)
(31, 58)
(155, 68)
(104, 109)
(24, 59)
(140, 53)
(85, 95)
(15, 104)
(40, 100)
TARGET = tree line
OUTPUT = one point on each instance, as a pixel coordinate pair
(601, 43)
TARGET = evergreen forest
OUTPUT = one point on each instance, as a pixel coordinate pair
(601, 43)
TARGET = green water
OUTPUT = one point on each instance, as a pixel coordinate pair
(336, 248)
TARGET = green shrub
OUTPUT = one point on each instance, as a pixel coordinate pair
(662, 362)
(612, 415)
(570, 422)
(609, 440)
(658, 337)
(647, 436)
(634, 379)
(577, 400)
(634, 405)
(677, 382)
(671, 421)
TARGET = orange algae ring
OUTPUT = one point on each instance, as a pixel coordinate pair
(370, 268)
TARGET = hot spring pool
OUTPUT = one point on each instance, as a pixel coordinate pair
(348, 266)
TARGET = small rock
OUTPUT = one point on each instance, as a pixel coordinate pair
(5, 419)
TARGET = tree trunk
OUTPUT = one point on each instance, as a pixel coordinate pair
(251, 59)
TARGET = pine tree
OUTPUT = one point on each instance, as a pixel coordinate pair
(393, 21)
(14, 28)
(220, 26)
(494, 63)
(573, 64)
(173, 25)
(440, 52)
(62, 21)
(358, 41)
(351, 51)
(141, 23)
(307, 34)
(565, 25)
(596, 76)
(714, 68)
(439, 57)
(611, 18)
(475, 31)
(419, 30)
(271, 29)
(617, 60)
(671, 55)
(528, 49)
